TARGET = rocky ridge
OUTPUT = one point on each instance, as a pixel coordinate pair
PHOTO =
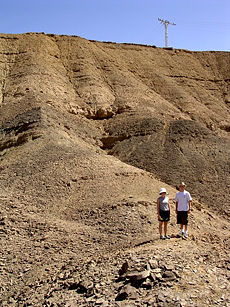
(89, 133)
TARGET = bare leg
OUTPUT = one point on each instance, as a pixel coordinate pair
(165, 227)
(185, 228)
(160, 228)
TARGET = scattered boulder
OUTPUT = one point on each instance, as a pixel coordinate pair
(147, 284)
(162, 296)
(168, 267)
(80, 287)
(138, 276)
(127, 291)
(124, 268)
(227, 100)
(153, 263)
(168, 276)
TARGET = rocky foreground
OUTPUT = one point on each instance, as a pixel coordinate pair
(166, 275)
(51, 263)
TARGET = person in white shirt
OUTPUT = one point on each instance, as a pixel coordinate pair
(183, 204)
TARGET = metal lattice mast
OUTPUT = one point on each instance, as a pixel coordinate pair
(166, 23)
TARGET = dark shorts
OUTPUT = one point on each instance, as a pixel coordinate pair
(182, 217)
(165, 216)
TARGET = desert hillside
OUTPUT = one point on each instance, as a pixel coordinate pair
(89, 133)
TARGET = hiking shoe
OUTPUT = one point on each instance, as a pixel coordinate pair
(185, 235)
(162, 238)
(181, 233)
(167, 237)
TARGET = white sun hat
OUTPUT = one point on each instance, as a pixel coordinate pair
(162, 190)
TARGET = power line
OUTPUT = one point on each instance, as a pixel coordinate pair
(166, 23)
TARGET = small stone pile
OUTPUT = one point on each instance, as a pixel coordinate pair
(150, 277)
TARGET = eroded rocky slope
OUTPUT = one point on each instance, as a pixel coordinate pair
(89, 133)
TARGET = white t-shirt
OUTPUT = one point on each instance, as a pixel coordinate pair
(183, 199)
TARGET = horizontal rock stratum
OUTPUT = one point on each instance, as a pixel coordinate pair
(89, 133)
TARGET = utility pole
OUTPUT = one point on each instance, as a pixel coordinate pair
(166, 23)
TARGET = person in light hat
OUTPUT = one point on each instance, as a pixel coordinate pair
(183, 203)
(163, 213)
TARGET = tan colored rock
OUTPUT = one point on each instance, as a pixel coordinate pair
(89, 133)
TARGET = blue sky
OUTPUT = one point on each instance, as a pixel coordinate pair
(200, 24)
